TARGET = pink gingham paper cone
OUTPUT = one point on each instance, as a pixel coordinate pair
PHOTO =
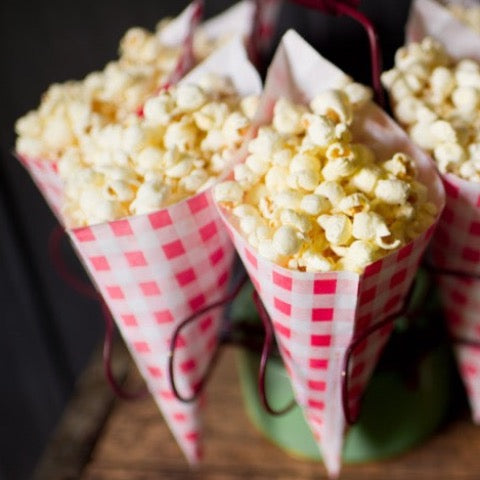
(456, 243)
(155, 270)
(316, 315)
(456, 247)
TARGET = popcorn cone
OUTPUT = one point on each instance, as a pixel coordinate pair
(315, 316)
(455, 245)
(155, 270)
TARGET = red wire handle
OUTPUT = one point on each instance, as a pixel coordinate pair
(267, 347)
(350, 8)
(359, 338)
(63, 271)
(198, 388)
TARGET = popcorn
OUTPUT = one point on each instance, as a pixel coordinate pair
(142, 164)
(442, 117)
(71, 110)
(311, 199)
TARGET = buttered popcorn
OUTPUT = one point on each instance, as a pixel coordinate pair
(437, 101)
(310, 198)
(185, 140)
(68, 112)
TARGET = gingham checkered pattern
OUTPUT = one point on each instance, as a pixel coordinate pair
(315, 316)
(153, 271)
(456, 246)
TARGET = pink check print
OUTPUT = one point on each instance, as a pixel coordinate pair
(456, 246)
(316, 316)
(154, 271)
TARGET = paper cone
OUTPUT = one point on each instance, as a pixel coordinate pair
(430, 18)
(316, 315)
(455, 245)
(155, 270)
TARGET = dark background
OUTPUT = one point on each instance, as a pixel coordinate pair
(48, 331)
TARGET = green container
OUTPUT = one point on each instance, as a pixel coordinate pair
(399, 410)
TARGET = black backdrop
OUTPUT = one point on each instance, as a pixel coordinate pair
(47, 331)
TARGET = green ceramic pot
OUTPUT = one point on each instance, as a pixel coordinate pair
(400, 409)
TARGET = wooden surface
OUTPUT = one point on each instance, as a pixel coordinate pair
(133, 443)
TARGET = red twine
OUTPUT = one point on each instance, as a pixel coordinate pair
(350, 9)
(60, 266)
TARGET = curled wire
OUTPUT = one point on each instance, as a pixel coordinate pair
(350, 9)
(197, 389)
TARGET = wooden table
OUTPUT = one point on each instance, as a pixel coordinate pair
(101, 438)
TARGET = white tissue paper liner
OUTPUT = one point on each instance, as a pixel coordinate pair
(316, 315)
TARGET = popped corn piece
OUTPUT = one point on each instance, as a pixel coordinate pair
(151, 195)
(295, 219)
(235, 127)
(443, 131)
(421, 134)
(189, 97)
(287, 117)
(302, 162)
(229, 191)
(257, 164)
(406, 110)
(315, 204)
(338, 168)
(331, 190)
(249, 106)
(148, 158)
(400, 89)
(333, 104)
(180, 169)
(213, 141)
(337, 227)
(358, 94)
(368, 226)
(286, 240)
(245, 176)
(194, 181)
(29, 125)
(211, 116)
(245, 210)
(399, 165)
(288, 199)
(358, 256)
(97, 209)
(267, 250)
(320, 130)
(314, 262)
(366, 178)
(181, 134)
(448, 154)
(57, 134)
(305, 179)
(392, 191)
(442, 82)
(256, 193)
(282, 158)
(352, 204)
(276, 179)
(265, 143)
(249, 223)
(119, 190)
(466, 99)
(216, 84)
